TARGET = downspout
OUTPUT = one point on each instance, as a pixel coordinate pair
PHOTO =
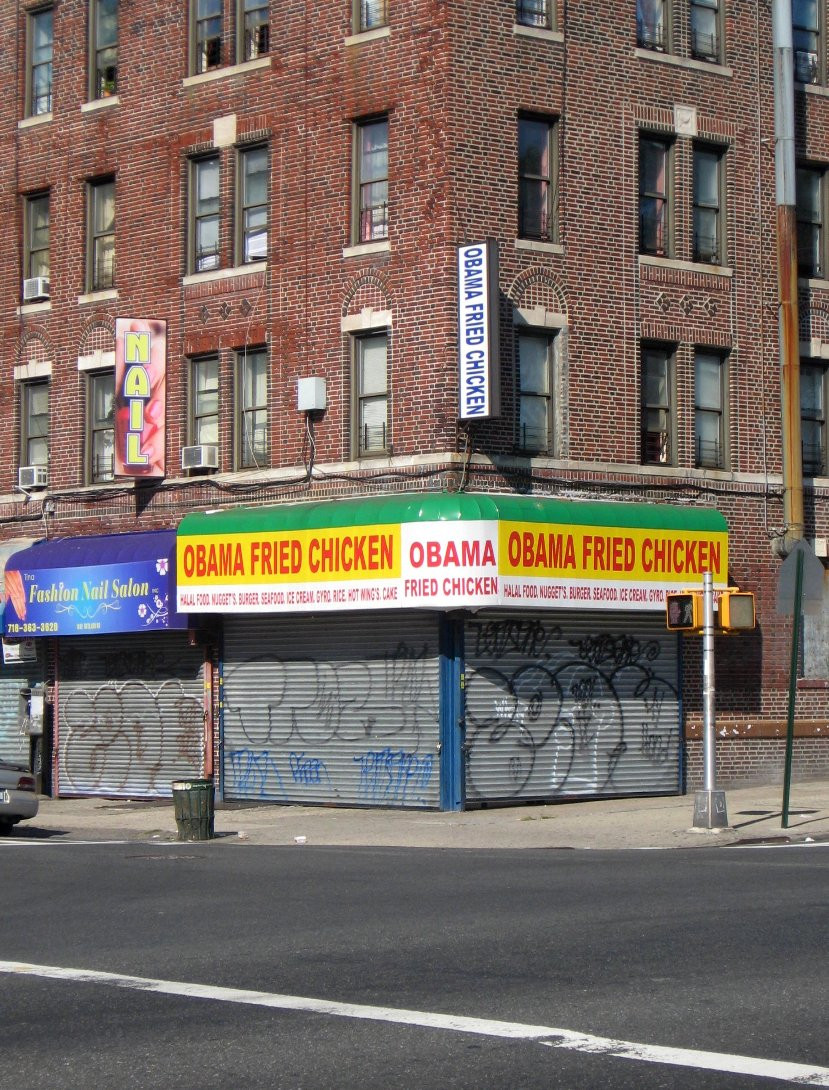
(787, 275)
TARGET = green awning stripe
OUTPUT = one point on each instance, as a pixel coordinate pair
(449, 507)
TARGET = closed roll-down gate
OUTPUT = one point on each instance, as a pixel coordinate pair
(339, 709)
(570, 705)
(130, 714)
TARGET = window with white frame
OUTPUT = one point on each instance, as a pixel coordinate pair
(204, 214)
(708, 241)
(806, 39)
(39, 44)
(36, 230)
(101, 425)
(206, 35)
(252, 408)
(535, 391)
(101, 234)
(709, 410)
(253, 32)
(103, 48)
(371, 394)
(536, 178)
(252, 204)
(655, 221)
(204, 400)
(658, 440)
(34, 423)
(652, 24)
(813, 417)
(371, 190)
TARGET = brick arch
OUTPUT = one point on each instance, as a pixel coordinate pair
(371, 290)
(537, 288)
(98, 336)
(816, 325)
(34, 347)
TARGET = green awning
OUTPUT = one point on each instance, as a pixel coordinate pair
(450, 507)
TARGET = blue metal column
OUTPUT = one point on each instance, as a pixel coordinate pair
(451, 713)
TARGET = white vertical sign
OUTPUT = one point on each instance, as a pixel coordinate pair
(478, 330)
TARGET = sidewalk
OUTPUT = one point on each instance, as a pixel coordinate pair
(754, 814)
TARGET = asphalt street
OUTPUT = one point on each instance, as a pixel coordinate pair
(318, 967)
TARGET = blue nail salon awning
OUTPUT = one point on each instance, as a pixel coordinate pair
(87, 586)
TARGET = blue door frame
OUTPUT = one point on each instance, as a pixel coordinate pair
(451, 713)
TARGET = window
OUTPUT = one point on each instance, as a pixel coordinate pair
(536, 172)
(253, 31)
(204, 400)
(101, 232)
(651, 24)
(813, 418)
(204, 214)
(705, 30)
(657, 405)
(811, 216)
(39, 63)
(252, 205)
(206, 35)
(709, 410)
(654, 196)
(806, 33)
(708, 233)
(252, 408)
(369, 14)
(101, 395)
(103, 50)
(535, 384)
(34, 424)
(371, 393)
(372, 180)
(532, 13)
(36, 236)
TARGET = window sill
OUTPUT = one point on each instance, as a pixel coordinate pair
(97, 296)
(364, 248)
(100, 104)
(538, 247)
(685, 266)
(813, 282)
(34, 308)
(368, 36)
(541, 33)
(223, 274)
(812, 683)
(226, 73)
(683, 62)
(813, 89)
(32, 122)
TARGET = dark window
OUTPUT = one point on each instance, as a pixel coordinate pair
(657, 405)
(705, 29)
(709, 410)
(708, 220)
(36, 232)
(369, 14)
(104, 48)
(372, 181)
(101, 394)
(204, 214)
(254, 34)
(651, 24)
(811, 217)
(204, 400)
(536, 178)
(34, 423)
(207, 35)
(371, 393)
(654, 196)
(39, 63)
(252, 408)
(533, 13)
(101, 241)
(813, 418)
(252, 205)
(806, 35)
(535, 391)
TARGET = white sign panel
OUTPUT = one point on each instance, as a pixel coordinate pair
(478, 330)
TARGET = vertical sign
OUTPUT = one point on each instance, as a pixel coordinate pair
(140, 396)
(478, 330)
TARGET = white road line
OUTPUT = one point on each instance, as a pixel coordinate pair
(799, 1074)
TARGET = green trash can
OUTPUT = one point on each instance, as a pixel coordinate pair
(193, 804)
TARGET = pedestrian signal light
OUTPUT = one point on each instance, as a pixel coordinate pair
(737, 610)
(683, 611)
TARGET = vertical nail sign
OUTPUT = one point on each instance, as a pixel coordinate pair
(140, 394)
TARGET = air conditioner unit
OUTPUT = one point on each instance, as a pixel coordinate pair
(36, 287)
(205, 456)
(33, 477)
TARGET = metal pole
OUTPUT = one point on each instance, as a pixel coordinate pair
(796, 615)
(709, 803)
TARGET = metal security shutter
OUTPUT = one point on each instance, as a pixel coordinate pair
(130, 714)
(570, 704)
(14, 738)
(341, 708)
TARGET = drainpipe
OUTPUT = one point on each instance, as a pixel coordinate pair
(787, 274)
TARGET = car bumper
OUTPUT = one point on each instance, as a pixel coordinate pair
(21, 804)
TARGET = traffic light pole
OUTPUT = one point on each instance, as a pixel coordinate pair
(709, 803)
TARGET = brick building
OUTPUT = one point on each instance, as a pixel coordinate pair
(275, 200)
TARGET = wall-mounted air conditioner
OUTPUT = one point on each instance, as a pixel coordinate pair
(205, 456)
(33, 477)
(35, 288)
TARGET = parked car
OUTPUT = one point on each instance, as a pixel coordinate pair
(17, 795)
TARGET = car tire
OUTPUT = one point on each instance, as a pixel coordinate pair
(6, 828)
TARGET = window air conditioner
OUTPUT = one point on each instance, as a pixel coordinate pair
(32, 477)
(36, 287)
(205, 456)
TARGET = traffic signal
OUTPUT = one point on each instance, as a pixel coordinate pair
(737, 610)
(683, 610)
